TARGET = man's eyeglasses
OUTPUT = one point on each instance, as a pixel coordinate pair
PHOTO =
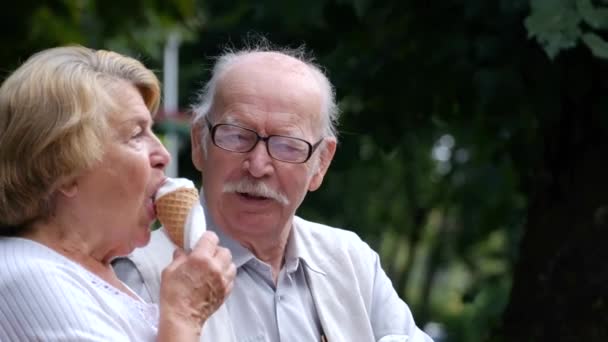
(242, 140)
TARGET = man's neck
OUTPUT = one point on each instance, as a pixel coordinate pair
(271, 251)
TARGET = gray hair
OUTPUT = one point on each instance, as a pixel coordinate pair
(230, 56)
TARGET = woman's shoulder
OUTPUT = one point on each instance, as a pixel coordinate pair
(27, 266)
(39, 287)
(25, 257)
(30, 275)
(28, 269)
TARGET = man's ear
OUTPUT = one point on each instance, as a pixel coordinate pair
(328, 149)
(196, 134)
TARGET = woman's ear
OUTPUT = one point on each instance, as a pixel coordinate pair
(69, 188)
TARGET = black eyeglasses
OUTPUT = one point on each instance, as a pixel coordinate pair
(242, 140)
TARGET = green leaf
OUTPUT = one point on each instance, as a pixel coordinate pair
(595, 17)
(554, 24)
(598, 46)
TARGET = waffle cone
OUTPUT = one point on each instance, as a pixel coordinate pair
(172, 210)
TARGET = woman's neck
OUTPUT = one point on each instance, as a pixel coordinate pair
(79, 249)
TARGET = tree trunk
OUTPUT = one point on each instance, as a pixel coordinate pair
(437, 247)
(560, 284)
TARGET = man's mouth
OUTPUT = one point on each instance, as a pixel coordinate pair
(255, 191)
(252, 196)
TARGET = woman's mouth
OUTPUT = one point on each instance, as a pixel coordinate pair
(150, 208)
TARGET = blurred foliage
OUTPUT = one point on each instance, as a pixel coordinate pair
(137, 27)
(445, 107)
(560, 24)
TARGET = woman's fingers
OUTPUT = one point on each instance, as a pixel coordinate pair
(178, 253)
(230, 275)
(207, 244)
(200, 281)
(224, 256)
(179, 257)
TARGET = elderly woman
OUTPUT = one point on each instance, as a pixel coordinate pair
(79, 167)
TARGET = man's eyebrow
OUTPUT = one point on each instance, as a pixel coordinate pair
(230, 119)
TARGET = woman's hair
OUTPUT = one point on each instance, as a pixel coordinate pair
(53, 112)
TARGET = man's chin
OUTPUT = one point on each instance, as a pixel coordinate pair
(256, 223)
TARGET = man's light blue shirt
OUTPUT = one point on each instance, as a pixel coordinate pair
(262, 311)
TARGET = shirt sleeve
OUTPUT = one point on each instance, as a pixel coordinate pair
(39, 303)
(391, 318)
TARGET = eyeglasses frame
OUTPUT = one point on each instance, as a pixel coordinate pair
(311, 147)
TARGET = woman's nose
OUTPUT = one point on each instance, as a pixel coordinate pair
(160, 157)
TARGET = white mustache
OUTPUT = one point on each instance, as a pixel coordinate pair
(255, 188)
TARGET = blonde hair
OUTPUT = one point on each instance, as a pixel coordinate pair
(53, 112)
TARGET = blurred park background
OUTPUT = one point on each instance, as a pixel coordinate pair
(473, 148)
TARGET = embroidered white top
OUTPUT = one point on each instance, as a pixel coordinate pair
(44, 296)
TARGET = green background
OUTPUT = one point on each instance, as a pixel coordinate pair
(472, 153)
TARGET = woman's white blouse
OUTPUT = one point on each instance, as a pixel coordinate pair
(46, 297)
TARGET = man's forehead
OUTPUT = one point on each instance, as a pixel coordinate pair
(258, 74)
(275, 66)
(273, 59)
(272, 83)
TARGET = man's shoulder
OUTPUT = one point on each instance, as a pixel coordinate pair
(326, 237)
(323, 231)
(340, 255)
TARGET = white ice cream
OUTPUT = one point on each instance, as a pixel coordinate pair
(172, 184)
(195, 224)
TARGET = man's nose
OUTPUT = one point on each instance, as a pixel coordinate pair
(258, 162)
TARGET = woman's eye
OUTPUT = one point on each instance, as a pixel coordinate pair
(137, 133)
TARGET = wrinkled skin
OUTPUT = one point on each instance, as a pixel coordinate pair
(195, 285)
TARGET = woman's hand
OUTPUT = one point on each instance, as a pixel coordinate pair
(194, 286)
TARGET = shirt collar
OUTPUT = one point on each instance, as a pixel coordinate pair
(305, 249)
(296, 250)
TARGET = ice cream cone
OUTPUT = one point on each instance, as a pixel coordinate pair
(172, 210)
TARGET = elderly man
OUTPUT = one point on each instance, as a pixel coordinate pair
(263, 135)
